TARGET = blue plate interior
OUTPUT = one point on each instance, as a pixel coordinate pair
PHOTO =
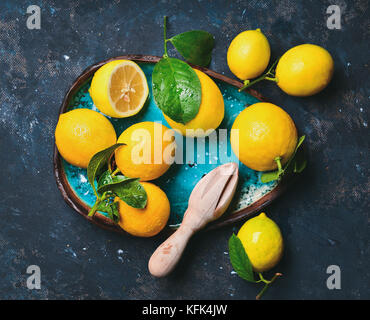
(180, 179)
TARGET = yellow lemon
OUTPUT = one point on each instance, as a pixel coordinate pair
(211, 110)
(248, 54)
(261, 133)
(262, 241)
(149, 150)
(119, 88)
(149, 221)
(81, 133)
(304, 70)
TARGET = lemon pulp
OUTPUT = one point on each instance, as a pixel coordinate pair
(119, 89)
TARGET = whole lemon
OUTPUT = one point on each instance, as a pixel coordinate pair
(149, 150)
(262, 133)
(119, 88)
(262, 241)
(211, 110)
(149, 221)
(304, 70)
(248, 54)
(81, 133)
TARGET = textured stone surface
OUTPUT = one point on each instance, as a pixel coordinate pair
(324, 218)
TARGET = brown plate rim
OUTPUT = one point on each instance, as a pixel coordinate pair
(80, 207)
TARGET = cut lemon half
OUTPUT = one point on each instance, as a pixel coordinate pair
(119, 89)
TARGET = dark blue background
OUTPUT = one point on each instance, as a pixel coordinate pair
(324, 218)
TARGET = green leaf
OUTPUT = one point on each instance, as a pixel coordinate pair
(239, 259)
(300, 162)
(195, 46)
(111, 208)
(293, 157)
(176, 89)
(296, 163)
(131, 192)
(127, 189)
(270, 176)
(98, 162)
(300, 141)
(106, 180)
(115, 211)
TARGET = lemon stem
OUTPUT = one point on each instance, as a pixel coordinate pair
(272, 79)
(267, 283)
(94, 208)
(96, 204)
(269, 75)
(115, 172)
(165, 36)
(110, 166)
(278, 162)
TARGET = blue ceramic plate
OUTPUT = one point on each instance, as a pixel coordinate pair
(178, 182)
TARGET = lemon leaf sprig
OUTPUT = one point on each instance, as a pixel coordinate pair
(195, 46)
(243, 267)
(239, 259)
(97, 163)
(111, 185)
(296, 164)
(176, 89)
(176, 86)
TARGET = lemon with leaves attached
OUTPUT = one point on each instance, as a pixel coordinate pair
(304, 70)
(262, 241)
(263, 136)
(211, 110)
(149, 221)
(248, 54)
(119, 89)
(149, 150)
(81, 133)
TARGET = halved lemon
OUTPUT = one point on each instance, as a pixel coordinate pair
(119, 88)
